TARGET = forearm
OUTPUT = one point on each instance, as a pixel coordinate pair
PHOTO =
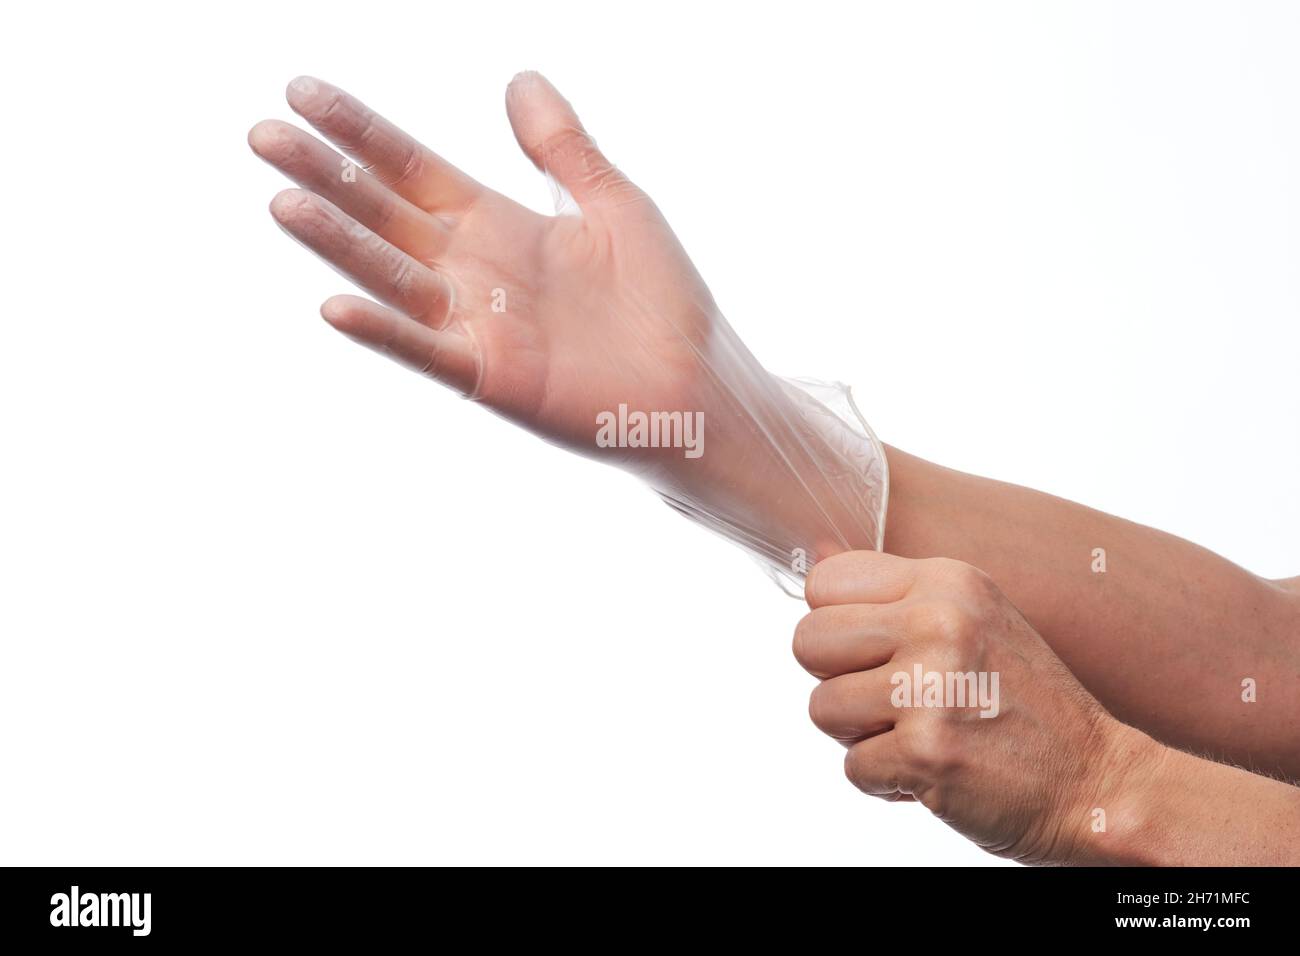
(1161, 631)
(1163, 637)
(1161, 807)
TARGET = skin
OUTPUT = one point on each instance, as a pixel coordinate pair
(604, 307)
(1163, 638)
(1034, 781)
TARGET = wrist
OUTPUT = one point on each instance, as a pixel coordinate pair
(792, 472)
(1116, 820)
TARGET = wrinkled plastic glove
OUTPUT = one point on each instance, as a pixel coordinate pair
(590, 328)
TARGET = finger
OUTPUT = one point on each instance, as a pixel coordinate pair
(860, 577)
(551, 135)
(380, 268)
(843, 638)
(446, 356)
(391, 156)
(853, 706)
(875, 766)
(314, 166)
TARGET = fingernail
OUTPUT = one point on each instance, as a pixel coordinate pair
(304, 85)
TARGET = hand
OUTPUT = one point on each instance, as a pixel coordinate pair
(1020, 767)
(546, 319)
(554, 321)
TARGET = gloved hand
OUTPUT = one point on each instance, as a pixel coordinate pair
(590, 328)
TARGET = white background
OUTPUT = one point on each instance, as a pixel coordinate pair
(266, 598)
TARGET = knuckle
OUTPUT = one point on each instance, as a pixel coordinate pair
(830, 710)
(811, 585)
(974, 584)
(943, 569)
(932, 746)
(825, 710)
(325, 111)
(367, 131)
(869, 776)
(950, 571)
(603, 177)
(824, 580)
(855, 768)
(819, 709)
(951, 620)
(411, 291)
(962, 579)
(811, 643)
(943, 619)
(403, 278)
(411, 167)
(803, 644)
(565, 145)
(383, 215)
(433, 364)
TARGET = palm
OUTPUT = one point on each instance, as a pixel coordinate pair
(577, 335)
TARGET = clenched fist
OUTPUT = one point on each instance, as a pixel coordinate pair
(944, 694)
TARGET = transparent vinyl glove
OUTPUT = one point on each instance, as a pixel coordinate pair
(590, 328)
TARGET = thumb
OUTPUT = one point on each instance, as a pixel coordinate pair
(551, 135)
